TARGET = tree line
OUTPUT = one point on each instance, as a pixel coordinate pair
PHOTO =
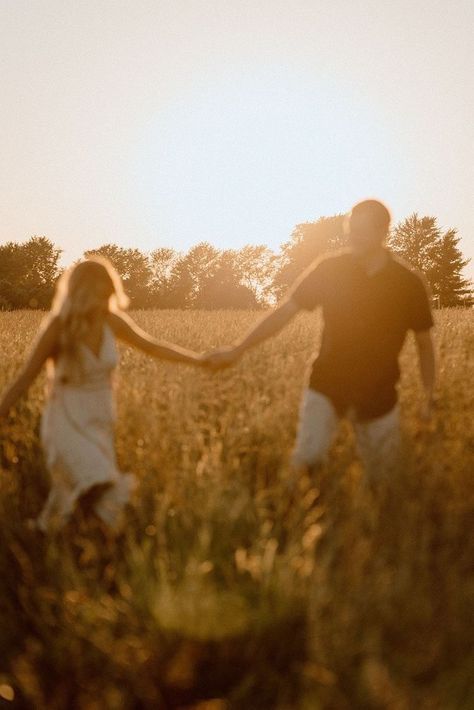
(248, 278)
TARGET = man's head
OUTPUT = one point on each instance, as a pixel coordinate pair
(367, 226)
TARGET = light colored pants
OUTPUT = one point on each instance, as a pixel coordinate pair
(378, 440)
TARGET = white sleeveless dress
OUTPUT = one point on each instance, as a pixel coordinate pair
(77, 433)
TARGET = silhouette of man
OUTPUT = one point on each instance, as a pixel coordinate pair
(370, 300)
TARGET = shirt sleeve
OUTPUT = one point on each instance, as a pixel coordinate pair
(419, 309)
(308, 288)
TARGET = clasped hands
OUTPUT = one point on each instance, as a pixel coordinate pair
(220, 358)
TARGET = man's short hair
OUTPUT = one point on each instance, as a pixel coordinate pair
(378, 212)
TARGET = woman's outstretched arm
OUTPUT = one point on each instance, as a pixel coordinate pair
(127, 330)
(44, 348)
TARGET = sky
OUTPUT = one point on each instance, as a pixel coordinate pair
(149, 123)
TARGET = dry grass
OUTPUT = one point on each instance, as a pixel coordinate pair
(225, 591)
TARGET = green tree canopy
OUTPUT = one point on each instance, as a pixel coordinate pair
(436, 254)
(308, 241)
(28, 273)
(250, 277)
(133, 268)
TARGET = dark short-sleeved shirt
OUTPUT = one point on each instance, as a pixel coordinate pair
(366, 318)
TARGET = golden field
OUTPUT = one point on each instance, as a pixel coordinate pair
(229, 589)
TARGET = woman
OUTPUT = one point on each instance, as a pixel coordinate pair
(77, 341)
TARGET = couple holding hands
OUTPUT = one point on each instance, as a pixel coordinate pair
(369, 298)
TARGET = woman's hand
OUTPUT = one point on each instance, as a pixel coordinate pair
(221, 358)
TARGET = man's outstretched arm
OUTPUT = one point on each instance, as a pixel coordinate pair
(427, 360)
(269, 325)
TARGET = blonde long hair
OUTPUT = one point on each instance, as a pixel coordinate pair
(76, 300)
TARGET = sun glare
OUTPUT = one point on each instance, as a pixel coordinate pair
(275, 149)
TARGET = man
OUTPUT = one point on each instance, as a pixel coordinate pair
(370, 300)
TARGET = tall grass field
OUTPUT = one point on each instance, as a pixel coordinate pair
(233, 586)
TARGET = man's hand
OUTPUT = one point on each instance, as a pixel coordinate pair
(220, 358)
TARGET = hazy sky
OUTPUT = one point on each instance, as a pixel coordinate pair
(167, 122)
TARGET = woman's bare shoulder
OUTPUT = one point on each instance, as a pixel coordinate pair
(50, 331)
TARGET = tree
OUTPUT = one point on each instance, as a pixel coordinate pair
(416, 240)
(448, 282)
(421, 242)
(133, 268)
(28, 273)
(223, 288)
(162, 262)
(206, 277)
(257, 267)
(308, 241)
(190, 273)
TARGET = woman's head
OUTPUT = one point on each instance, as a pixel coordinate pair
(89, 289)
(86, 293)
